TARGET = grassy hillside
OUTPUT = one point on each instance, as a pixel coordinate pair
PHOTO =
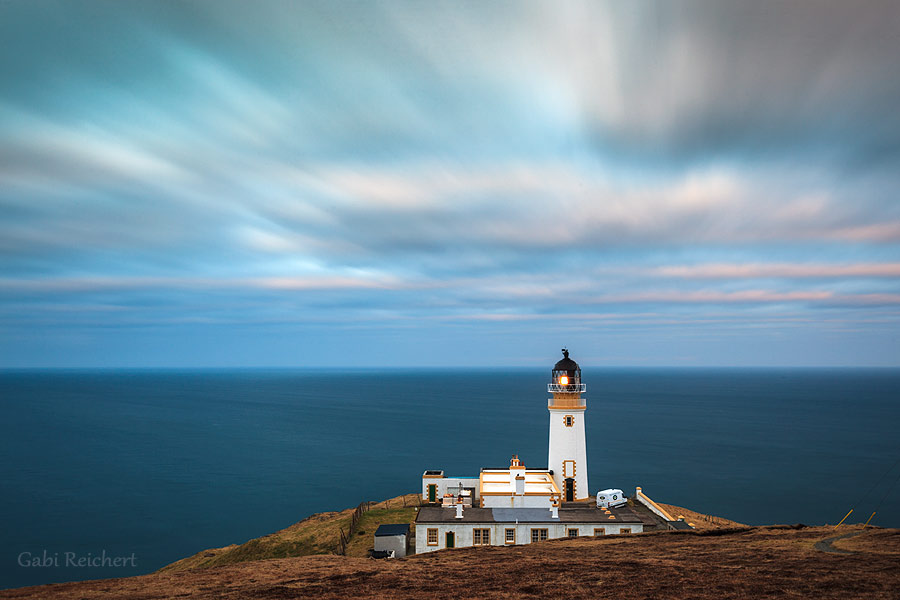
(758, 562)
(317, 534)
(699, 520)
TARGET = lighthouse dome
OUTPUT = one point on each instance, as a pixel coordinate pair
(566, 364)
(566, 373)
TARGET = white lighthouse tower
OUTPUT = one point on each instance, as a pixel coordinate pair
(568, 455)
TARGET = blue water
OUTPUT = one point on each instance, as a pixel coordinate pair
(163, 464)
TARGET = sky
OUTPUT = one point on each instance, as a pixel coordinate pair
(449, 184)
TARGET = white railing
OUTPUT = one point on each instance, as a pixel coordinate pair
(571, 388)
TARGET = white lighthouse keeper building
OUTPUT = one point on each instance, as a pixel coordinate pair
(567, 457)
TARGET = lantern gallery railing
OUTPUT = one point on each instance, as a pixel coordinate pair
(571, 388)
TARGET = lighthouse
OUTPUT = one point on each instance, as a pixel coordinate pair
(567, 457)
(516, 505)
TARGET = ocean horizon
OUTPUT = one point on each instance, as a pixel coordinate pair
(161, 463)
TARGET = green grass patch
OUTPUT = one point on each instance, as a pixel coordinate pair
(317, 534)
(369, 522)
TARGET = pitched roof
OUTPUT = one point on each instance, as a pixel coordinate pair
(428, 514)
(392, 529)
(587, 514)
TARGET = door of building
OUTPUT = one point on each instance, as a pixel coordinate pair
(450, 540)
(432, 492)
(570, 489)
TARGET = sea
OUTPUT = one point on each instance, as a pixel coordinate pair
(149, 466)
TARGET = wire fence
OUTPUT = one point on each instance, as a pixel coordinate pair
(345, 537)
(354, 523)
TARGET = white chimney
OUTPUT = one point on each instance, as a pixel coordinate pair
(516, 470)
(459, 508)
(554, 512)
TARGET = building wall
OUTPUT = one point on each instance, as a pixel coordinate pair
(516, 502)
(464, 535)
(397, 543)
(443, 483)
(567, 443)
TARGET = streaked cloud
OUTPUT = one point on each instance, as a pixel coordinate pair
(781, 271)
(397, 173)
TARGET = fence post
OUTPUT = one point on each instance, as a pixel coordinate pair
(342, 543)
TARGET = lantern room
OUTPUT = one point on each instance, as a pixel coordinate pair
(566, 376)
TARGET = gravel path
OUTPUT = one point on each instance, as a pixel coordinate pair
(825, 545)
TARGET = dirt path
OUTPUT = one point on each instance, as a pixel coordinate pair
(825, 545)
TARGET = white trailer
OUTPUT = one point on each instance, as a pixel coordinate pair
(610, 498)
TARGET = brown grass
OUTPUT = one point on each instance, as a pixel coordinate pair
(313, 535)
(699, 520)
(878, 541)
(713, 564)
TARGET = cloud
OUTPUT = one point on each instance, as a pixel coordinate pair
(781, 271)
(551, 205)
(94, 284)
(450, 163)
(681, 80)
(877, 232)
(720, 297)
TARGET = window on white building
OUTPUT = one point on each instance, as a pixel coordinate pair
(432, 537)
(625, 530)
(538, 535)
(599, 531)
(510, 536)
(572, 532)
(481, 537)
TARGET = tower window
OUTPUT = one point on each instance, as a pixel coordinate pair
(568, 420)
(568, 468)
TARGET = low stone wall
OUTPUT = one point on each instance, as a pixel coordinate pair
(650, 504)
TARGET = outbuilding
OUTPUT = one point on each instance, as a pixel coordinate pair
(393, 536)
